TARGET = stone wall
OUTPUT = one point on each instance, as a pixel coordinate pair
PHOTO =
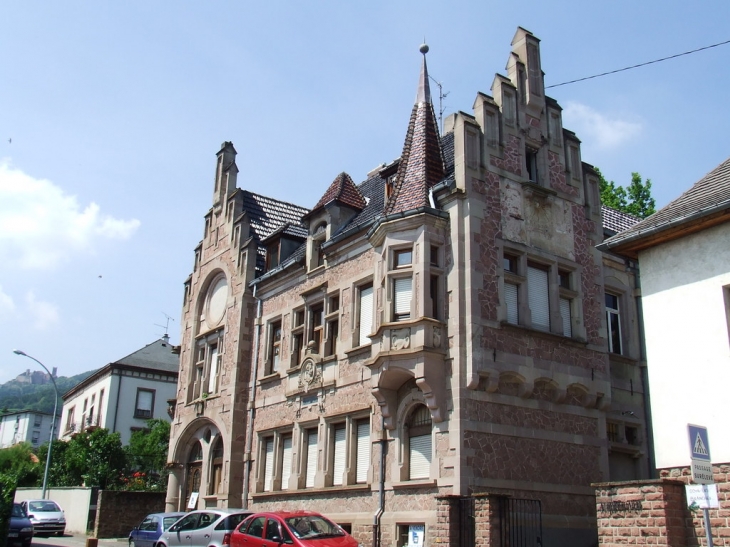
(118, 512)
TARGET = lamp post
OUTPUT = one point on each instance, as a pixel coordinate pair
(53, 420)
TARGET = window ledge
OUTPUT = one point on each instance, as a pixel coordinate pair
(365, 348)
(269, 378)
(544, 334)
(307, 491)
(417, 483)
(539, 189)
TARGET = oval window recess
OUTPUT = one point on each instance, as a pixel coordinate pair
(217, 297)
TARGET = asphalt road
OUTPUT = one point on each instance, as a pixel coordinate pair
(75, 541)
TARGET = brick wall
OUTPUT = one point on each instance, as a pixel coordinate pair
(118, 512)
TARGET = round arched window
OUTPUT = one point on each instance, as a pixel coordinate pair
(217, 297)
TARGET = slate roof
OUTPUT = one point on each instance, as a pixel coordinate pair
(157, 355)
(344, 191)
(710, 196)
(617, 221)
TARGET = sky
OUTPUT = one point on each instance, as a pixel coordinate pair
(111, 114)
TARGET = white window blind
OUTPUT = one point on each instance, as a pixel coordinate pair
(366, 315)
(510, 298)
(403, 289)
(144, 400)
(338, 469)
(286, 462)
(363, 451)
(213, 378)
(268, 465)
(311, 458)
(420, 456)
(565, 313)
(537, 289)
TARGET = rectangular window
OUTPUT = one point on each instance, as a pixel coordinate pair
(316, 327)
(297, 338)
(286, 461)
(365, 315)
(613, 323)
(566, 317)
(363, 451)
(574, 161)
(538, 297)
(38, 420)
(402, 258)
(268, 464)
(145, 403)
(35, 438)
(491, 130)
(434, 294)
(214, 369)
(311, 464)
(70, 419)
(420, 456)
(275, 347)
(402, 297)
(531, 165)
(338, 464)
(510, 299)
(612, 432)
(508, 107)
(333, 328)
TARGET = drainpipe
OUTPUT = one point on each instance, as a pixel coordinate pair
(381, 488)
(251, 399)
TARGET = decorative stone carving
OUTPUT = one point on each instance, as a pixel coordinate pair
(309, 374)
(400, 339)
(436, 340)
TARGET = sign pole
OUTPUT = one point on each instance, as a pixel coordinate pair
(708, 530)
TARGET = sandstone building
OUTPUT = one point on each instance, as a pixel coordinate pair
(445, 328)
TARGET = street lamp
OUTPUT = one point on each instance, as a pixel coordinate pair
(53, 420)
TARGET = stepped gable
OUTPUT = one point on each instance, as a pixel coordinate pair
(422, 163)
(344, 191)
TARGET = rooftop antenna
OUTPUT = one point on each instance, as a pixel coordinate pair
(167, 322)
(442, 96)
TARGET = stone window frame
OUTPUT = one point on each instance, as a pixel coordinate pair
(305, 431)
(202, 358)
(274, 346)
(298, 344)
(215, 480)
(277, 436)
(622, 293)
(331, 323)
(436, 302)
(515, 264)
(360, 339)
(397, 272)
(401, 470)
(350, 423)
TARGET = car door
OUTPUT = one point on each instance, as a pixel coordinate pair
(180, 533)
(141, 535)
(201, 535)
(253, 536)
(275, 534)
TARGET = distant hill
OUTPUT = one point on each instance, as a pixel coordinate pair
(16, 396)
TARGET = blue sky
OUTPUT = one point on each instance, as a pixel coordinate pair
(111, 114)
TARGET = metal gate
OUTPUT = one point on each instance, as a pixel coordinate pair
(467, 522)
(520, 522)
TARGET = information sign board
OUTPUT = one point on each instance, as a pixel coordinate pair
(702, 496)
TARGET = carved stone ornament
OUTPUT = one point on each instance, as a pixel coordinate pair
(309, 374)
(400, 339)
(436, 341)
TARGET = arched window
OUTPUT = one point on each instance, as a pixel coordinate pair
(419, 444)
(194, 471)
(216, 475)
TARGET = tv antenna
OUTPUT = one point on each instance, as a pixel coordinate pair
(167, 322)
(442, 95)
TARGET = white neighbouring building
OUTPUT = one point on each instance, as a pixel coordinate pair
(28, 426)
(684, 255)
(123, 395)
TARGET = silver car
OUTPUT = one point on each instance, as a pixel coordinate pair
(46, 515)
(203, 528)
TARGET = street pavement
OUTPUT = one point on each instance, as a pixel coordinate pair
(76, 541)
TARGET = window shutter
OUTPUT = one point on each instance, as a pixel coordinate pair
(510, 298)
(420, 457)
(565, 313)
(144, 400)
(269, 465)
(363, 451)
(213, 379)
(366, 315)
(402, 297)
(338, 469)
(286, 462)
(311, 458)
(537, 289)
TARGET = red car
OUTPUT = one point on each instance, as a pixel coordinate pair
(299, 528)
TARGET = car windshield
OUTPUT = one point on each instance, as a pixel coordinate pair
(313, 526)
(43, 507)
(18, 511)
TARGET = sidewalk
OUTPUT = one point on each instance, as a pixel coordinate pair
(76, 540)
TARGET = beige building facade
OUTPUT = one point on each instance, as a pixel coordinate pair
(444, 329)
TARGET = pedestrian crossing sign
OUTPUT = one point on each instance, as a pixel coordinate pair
(699, 442)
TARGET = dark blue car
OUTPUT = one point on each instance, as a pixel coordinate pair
(21, 529)
(151, 528)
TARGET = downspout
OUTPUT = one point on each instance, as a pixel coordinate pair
(251, 399)
(381, 488)
(116, 406)
(651, 461)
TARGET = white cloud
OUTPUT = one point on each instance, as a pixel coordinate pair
(597, 129)
(7, 306)
(44, 314)
(41, 226)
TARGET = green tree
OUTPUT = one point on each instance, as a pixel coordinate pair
(147, 456)
(20, 462)
(635, 200)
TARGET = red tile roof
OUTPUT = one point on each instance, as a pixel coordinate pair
(344, 191)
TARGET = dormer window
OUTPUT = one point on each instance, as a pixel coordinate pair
(272, 255)
(319, 236)
(403, 258)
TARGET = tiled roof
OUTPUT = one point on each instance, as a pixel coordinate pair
(617, 221)
(157, 355)
(421, 163)
(343, 190)
(709, 195)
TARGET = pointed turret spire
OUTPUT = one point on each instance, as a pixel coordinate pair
(421, 164)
